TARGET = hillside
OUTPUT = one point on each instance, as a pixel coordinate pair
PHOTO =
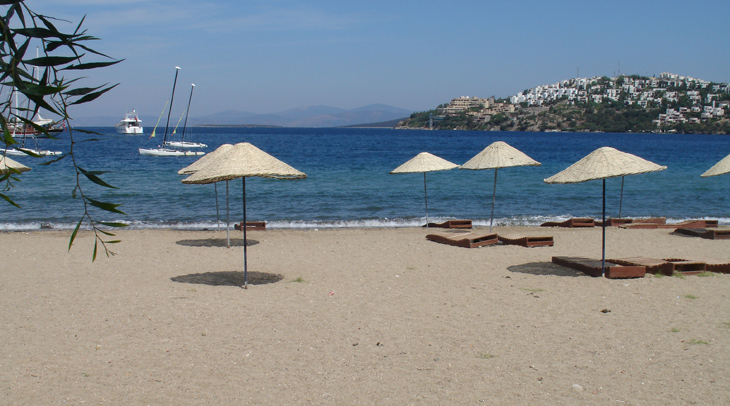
(670, 103)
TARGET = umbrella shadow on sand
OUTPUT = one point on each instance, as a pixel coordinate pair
(228, 278)
(544, 268)
(216, 242)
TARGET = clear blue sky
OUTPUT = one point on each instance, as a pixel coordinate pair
(272, 55)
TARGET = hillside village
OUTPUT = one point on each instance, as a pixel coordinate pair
(668, 103)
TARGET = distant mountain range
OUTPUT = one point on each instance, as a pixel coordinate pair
(313, 116)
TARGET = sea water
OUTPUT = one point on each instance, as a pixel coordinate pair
(348, 182)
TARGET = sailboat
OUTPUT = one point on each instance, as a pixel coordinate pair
(163, 150)
(182, 143)
(19, 129)
(49, 126)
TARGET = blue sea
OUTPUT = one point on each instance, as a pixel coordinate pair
(348, 182)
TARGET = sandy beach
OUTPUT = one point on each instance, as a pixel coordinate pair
(357, 317)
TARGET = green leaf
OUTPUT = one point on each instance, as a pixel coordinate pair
(92, 177)
(93, 257)
(37, 32)
(92, 96)
(91, 65)
(9, 200)
(81, 91)
(108, 224)
(75, 232)
(52, 60)
(110, 207)
(54, 160)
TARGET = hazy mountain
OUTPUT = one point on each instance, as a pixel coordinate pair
(312, 116)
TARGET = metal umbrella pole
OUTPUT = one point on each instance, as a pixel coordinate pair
(217, 212)
(494, 198)
(228, 221)
(603, 226)
(425, 194)
(621, 201)
(245, 263)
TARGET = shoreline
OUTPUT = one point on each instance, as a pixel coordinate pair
(383, 223)
(357, 316)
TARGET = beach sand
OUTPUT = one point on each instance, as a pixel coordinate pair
(357, 317)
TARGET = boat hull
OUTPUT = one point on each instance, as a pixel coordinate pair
(130, 124)
(185, 144)
(129, 130)
(168, 152)
(30, 151)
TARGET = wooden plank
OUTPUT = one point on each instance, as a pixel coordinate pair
(533, 241)
(464, 240)
(451, 224)
(251, 225)
(571, 223)
(592, 267)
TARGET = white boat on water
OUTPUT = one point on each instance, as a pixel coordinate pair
(185, 144)
(169, 148)
(168, 152)
(30, 151)
(130, 124)
(181, 143)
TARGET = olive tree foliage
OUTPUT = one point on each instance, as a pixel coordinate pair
(50, 80)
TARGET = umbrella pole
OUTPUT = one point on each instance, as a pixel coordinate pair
(603, 226)
(621, 201)
(425, 195)
(245, 264)
(217, 212)
(494, 197)
(228, 221)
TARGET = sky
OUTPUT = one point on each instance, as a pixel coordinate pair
(273, 55)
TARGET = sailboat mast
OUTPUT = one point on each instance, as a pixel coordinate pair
(164, 137)
(185, 125)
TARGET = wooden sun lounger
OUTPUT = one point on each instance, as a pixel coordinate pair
(251, 225)
(683, 224)
(621, 222)
(465, 240)
(543, 241)
(578, 222)
(451, 224)
(592, 267)
(710, 234)
(715, 265)
(670, 266)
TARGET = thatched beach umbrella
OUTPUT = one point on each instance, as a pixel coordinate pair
(242, 161)
(604, 163)
(719, 168)
(498, 155)
(8, 165)
(425, 162)
(201, 163)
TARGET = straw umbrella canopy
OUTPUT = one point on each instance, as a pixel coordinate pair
(719, 168)
(243, 160)
(425, 162)
(201, 163)
(204, 160)
(8, 165)
(604, 163)
(498, 155)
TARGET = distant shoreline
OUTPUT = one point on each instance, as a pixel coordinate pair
(238, 126)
